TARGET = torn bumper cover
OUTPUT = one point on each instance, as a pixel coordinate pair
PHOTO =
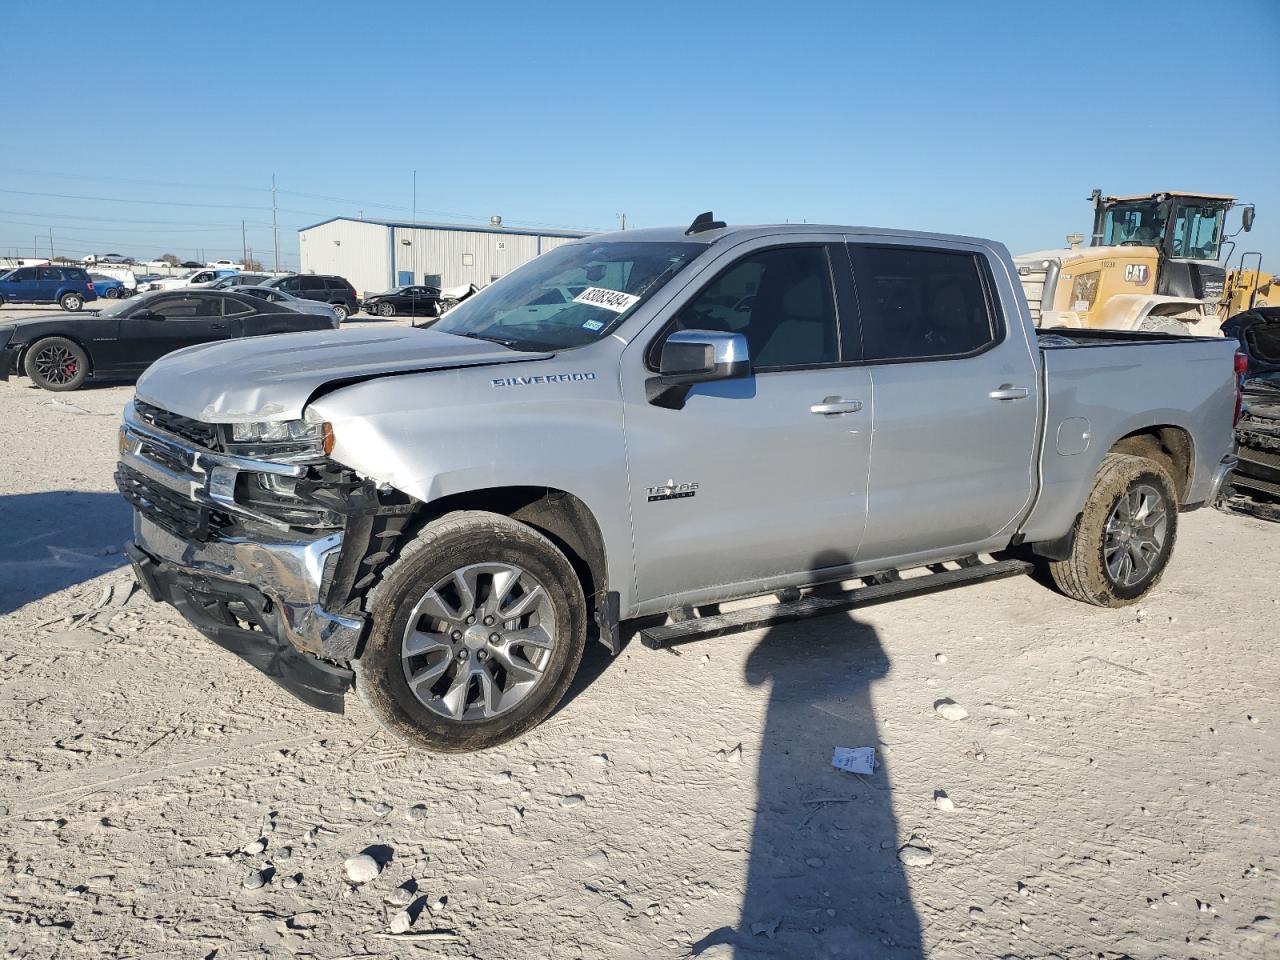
(269, 622)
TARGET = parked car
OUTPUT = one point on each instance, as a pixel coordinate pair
(1254, 486)
(108, 258)
(190, 264)
(280, 298)
(411, 301)
(335, 291)
(239, 280)
(108, 287)
(145, 279)
(465, 504)
(226, 263)
(192, 278)
(118, 342)
(70, 287)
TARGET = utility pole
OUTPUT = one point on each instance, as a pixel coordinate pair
(244, 245)
(35, 246)
(275, 229)
(51, 244)
(622, 221)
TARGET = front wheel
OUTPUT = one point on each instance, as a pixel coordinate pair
(477, 632)
(71, 302)
(1124, 535)
(386, 310)
(112, 293)
(57, 364)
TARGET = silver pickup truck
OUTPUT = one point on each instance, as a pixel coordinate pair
(645, 423)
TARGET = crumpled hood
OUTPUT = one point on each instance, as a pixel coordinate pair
(272, 378)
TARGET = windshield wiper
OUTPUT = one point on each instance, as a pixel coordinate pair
(479, 336)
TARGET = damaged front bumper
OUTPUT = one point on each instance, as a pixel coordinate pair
(260, 600)
(247, 581)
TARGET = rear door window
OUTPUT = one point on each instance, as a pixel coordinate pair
(922, 304)
(50, 273)
(312, 285)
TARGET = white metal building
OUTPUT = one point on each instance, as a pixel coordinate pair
(376, 255)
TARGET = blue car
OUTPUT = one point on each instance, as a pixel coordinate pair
(108, 287)
(70, 287)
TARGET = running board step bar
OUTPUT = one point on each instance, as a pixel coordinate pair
(881, 591)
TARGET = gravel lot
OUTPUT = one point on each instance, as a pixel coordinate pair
(1112, 791)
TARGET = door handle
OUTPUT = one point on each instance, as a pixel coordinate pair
(834, 406)
(1008, 391)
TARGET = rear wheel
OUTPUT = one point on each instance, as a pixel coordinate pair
(386, 310)
(57, 364)
(477, 632)
(71, 302)
(1124, 535)
(341, 310)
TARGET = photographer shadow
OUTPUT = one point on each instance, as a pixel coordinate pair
(824, 879)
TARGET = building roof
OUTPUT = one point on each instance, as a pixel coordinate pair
(467, 227)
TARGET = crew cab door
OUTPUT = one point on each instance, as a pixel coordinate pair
(748, 483)
(955, 384)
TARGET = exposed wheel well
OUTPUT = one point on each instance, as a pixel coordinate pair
(1168, 445)
(558, 515)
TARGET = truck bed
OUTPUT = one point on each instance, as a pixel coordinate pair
(1100, 386)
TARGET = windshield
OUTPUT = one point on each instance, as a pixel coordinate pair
(570, 297)
(1136, 223)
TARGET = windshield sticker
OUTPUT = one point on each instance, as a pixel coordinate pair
(592, 325)
(613, 300)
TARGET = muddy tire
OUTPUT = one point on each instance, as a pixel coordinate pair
(477, 631)
(1124, 535)
(57, 364)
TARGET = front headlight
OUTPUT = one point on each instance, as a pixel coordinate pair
(275, 439)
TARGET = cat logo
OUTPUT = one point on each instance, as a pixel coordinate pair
(1136, 273)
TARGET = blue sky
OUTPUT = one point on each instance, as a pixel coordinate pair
(988, 118)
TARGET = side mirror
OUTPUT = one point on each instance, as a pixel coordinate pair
(690, 357)
(1246, 218)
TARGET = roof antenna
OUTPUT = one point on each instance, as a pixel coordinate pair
(704, 222)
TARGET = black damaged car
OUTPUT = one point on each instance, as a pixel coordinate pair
(61, 352)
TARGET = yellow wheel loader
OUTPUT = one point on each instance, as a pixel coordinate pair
(1155, 263)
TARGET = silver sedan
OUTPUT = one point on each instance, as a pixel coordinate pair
(272, 295)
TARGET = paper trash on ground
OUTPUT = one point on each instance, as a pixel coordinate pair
(855, 759)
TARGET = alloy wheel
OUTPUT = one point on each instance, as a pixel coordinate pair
(1135, 534)
(478, 642)
(56, 365)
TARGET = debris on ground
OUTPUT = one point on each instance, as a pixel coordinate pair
(854, 759)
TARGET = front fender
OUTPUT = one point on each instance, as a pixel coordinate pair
(448, 432)
(1126, 311)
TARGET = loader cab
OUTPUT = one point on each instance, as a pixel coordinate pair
(1186, 231)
